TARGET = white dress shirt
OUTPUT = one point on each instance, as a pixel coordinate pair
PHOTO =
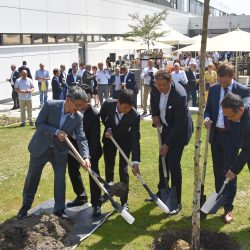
(102, 76)
(145, 76)
(179, 77)
(163, 106)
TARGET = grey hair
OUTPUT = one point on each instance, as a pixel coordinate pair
(76, 93)
(232, 101)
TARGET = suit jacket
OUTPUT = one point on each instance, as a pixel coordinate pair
(191, 84)
(61, 77)
(27, 69)
(56, 88)
(91, 126)
(119, 63)
(212, 110)
(47, 124)
(130, 82)
(180, 126)
(128, 129)
(87, 77)
(15, 76)
(70, 80)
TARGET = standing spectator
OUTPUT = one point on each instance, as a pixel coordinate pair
(102, 82)
(128, 82)
(115, 81)
(191, 84)
(57, 89)
(80, 70)
(24, 87)
(170, 110)
(119, 62)
(42, 76)
(24, 66)
(62, 80)
(88, 77)
(95, 92)
(70, 69)
(179, 76)
(210, 78)
(13, 77)
(148, 80)
(73, 79)
(224, 133)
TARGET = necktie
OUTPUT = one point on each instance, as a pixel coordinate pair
(226, 121)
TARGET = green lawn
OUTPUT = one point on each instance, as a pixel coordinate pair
(150, 220)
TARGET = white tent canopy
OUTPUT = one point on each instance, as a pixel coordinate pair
(192, 40)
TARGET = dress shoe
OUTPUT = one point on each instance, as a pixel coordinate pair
(23, 211)
(60, 213)
(97, 212)
(14, 108)
(78, 201)
(177, 210)
(125, 206)
(31, 124)
(22, 124)
(228, 217)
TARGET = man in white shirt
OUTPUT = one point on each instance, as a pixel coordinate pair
(102, 82)
(115, 80)
(179, 76)
(81, 70)
(148, 80)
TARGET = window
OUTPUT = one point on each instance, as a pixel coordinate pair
(27, 39)
(89, 38)
(51, 38)
(38, 39)
(70, 38)
(80, 38)
(11, 39)
(96, 38)
(61, 38)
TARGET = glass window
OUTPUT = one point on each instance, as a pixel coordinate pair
(96, 38)
(70, 38)
(26, 39)
(38, 39)
(11, 39)
(51, 38)
(102, 38)
(89, 38)
(80, 38)
(61, 38)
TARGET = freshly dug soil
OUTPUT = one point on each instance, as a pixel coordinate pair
(7, 120)
(180, 240)
(35, 232)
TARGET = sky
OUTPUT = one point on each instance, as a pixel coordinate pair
(239, 6)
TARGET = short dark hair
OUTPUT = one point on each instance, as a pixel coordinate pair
(126, 96)
(87, 89)
(232, 101)
(76, 93)
(225, 69)
(163, 74)
(55, 71)
(24, 62)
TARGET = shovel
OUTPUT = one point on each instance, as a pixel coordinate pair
(203, 196)
(215, 201)
(125, 214)
(153, 196)
(168, 195)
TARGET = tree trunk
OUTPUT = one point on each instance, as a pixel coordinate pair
(195, 241)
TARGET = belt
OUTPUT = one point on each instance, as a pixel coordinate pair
(221, 130)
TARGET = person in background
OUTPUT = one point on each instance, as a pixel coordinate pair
(42, 76)
(13, 77)
(179, 76)
(210, 78)
(24, 87)
(115, 81)
(80, 70)
(88, 77)
(62, 80)
(70, 69)
(24, 66)
(57, 89)
(120, 62)
(95, 92)
(73, 79)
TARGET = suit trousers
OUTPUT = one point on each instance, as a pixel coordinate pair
(146, 92)
(76, 178)
(15, 97)
(224, 153)
(103, 92)
(109, 153)
(173, 165)
(23, 104)
(36, 165)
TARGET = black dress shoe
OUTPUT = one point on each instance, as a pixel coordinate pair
(23, 211)
(60, 213)
(78, 201)
(177, 210)
(125, 206)
(97, 212)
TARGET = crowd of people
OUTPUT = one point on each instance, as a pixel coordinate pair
(71, 113)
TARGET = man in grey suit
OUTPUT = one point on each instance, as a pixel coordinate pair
(56, 120)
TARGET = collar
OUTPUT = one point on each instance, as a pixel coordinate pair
(116, 110)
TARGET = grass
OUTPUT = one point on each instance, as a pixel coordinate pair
(150, 220)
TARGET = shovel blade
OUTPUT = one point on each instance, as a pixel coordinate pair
(169, 197)
(212, 205)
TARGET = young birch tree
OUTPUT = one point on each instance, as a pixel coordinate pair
(195, 241)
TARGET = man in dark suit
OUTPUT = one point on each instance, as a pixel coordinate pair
(62, 80)
(128, 82)
(119, 62)
(24, 67)
(56, 86)
(115, 82)
(91, 124)
(224, 134)
(170, 110)
(56, 120)
(236, 110)
(14, 76)
(123, 122)
(88, 77)
(73, 79)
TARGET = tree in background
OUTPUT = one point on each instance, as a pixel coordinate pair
(146, 29)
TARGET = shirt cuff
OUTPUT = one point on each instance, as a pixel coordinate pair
(135, 162)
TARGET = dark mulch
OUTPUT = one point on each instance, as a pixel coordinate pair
(7, 120)
(180, 240)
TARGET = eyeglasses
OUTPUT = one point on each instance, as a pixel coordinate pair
(78, 106)
(232, 116)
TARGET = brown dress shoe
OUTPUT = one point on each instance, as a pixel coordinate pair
(228, 217)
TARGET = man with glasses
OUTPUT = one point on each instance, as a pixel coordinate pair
(56, 120)
(73, 79)
(224, 134)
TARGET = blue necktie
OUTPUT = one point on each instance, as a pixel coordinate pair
(227, 123)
